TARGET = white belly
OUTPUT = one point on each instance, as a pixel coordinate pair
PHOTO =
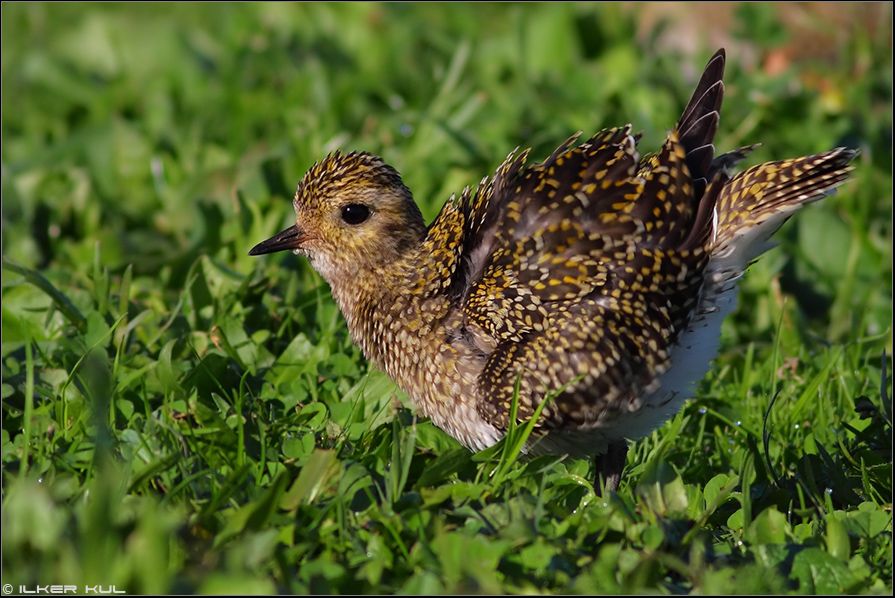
(691, 358)
(690, 361)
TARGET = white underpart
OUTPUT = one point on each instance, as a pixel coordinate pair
(466, 425)
(691, 357)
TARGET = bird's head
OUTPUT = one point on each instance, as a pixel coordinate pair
(353, 214)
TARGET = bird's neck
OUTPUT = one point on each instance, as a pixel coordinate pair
(361, 301)
(369, 300)
(388, 315)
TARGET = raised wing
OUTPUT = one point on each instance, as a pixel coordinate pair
(586, 273)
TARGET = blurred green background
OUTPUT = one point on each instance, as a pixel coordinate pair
(147, 147)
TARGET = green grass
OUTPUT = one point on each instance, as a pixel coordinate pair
(179, 417)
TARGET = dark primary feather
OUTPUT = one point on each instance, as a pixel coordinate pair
(699, 121)
(707, 87)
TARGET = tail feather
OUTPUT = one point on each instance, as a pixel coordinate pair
(754, 204)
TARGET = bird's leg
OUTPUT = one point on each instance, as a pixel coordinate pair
(609, 466)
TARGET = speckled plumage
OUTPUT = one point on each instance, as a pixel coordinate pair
(597, 276)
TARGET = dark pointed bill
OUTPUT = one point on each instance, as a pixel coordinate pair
(282, 241)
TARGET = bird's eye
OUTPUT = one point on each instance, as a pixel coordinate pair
(355, 213)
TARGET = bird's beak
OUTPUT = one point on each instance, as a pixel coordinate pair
(290, 238)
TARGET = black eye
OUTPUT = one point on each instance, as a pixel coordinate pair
(355, 213)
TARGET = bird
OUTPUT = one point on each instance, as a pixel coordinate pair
(587, 290)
